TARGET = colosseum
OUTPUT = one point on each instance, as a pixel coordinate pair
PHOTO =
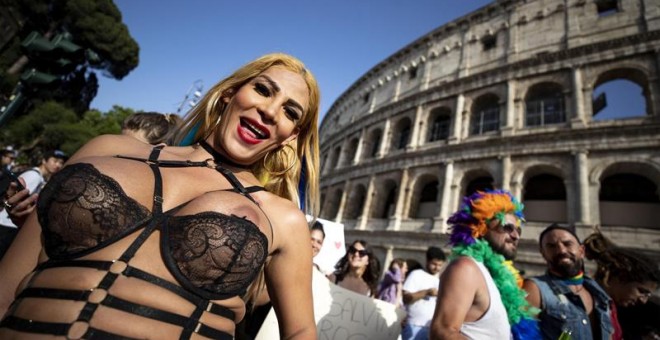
(508, 96)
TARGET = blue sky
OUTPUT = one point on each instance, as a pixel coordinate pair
(339, 41)
(203, 41)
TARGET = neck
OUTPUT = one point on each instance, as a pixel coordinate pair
(44, 171)
(219, 158)
(572, 280)
(356, 272)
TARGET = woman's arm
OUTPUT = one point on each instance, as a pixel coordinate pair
(19, 260)
(289, 275)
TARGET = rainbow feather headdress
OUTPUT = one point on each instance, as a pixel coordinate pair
(471, 221)
(468, 226)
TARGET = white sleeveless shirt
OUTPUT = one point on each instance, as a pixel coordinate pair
(494, 324)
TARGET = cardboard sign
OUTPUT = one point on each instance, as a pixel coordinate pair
(333, 246)
(341, 314)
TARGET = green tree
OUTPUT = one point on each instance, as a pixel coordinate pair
(51, 125)
(94, 24)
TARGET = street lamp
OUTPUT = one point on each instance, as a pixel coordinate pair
(193, 95)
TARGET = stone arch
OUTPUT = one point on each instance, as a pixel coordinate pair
(476, 179)
(385, 203)
(424, 202)
(334, 159)
(439, 124)
(626, 73)
(332, 206)
(401, 134)
(355, 202)
(372, 143)
(350, 150)
(485, 114)
(544, 104)
(629, 195)
(544, 194)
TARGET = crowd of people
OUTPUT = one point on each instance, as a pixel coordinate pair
(189, 227)
(479, 294)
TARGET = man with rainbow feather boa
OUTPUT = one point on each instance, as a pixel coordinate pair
(480, 294)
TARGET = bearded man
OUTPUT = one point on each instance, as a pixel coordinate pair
(571, 303)
(480, 294)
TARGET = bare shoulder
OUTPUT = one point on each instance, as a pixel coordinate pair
(109, 145)
(533, 293)
(289, 222)
(284, 213)
(460, 268)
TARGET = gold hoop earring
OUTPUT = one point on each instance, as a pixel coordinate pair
(284, 157)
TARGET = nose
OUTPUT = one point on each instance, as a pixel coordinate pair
(268, 110)
(643, 299)
(515, 235)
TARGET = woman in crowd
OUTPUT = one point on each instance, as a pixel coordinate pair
(358, 270)
(168, 242)
(392, 283)
(317, 238)
(628, 277)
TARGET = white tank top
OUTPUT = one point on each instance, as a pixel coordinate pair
(494, 324)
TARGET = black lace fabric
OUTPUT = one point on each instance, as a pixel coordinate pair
(218, 253)
(215, 255)
(81, 209)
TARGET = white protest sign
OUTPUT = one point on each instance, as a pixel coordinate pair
(333, 246)
(341, 314)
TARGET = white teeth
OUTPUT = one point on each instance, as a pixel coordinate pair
(254, 129)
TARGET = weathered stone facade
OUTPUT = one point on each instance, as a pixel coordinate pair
(501, 97)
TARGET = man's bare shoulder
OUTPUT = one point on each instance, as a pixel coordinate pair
(460, 267)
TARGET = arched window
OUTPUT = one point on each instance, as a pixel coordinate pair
(629, 200)
(427, 206)
(479, 184)
(619, 99)
(404, 135)
(332, 207)
(352, 149)
(545, 105)
(544, 187)
(401, 134)
(544, 197)
(375, 143)
(627, 187)
(355, 203)
(485, 115)
(440, 124)
(384, 207)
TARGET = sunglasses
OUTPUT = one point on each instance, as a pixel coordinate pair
(361, 252)
(509, 228)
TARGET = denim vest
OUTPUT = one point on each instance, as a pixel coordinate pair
(562, 310)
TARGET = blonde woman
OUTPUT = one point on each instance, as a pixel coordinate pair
(135, 241)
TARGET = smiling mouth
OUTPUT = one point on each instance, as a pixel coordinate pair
(257, 131)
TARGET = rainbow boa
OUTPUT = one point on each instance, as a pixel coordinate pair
(469, 225)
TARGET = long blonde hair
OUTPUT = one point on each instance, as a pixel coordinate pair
(271, 171)
(275, 174)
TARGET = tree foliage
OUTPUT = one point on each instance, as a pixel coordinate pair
(51, 125)
(94, 24)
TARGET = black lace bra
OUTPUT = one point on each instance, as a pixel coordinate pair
(212, 255)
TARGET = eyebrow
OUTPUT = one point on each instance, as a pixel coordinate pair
(276, 88)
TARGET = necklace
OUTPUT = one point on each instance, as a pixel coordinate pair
(219, 158)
